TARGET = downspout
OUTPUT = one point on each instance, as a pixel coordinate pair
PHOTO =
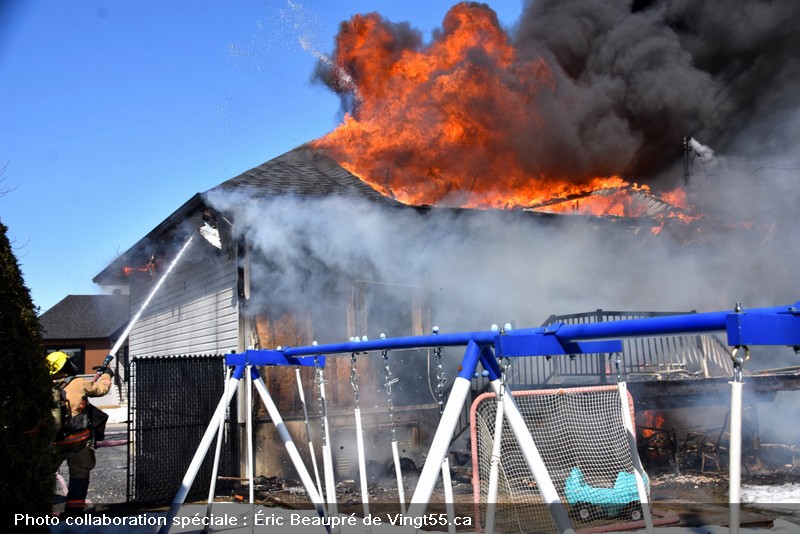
(248, 338)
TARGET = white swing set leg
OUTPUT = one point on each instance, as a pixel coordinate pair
(441, 442)
(311, 450)
(297, 461)
(249, 429)
(444, 432)
(494, 472)
(217, 420)
(448, 496)
(638, 469)
(535, 463)
(215, 471)
(327, 455)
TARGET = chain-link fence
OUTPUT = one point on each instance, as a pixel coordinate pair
(171, 402)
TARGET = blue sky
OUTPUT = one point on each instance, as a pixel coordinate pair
(114, 113)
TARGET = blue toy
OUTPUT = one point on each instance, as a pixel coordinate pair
(591, 502)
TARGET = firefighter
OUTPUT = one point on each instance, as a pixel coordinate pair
(74, 440)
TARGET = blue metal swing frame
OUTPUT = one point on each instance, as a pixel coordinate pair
(778, 325)
(759, 326)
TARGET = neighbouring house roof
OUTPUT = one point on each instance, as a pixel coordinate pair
(85, 317)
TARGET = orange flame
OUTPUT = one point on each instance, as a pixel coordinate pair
(442, 124)
(650, 422)
(150, 269)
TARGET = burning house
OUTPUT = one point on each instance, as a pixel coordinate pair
(488, 188)
(303, 251)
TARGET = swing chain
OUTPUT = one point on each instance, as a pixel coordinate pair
(388, 384)
(388, 373)
(353, 378)
(319, 379)
(318, 375)
(440, 378)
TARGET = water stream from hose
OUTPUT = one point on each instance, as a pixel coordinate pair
(146, 302)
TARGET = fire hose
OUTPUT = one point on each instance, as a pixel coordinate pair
(102, 367)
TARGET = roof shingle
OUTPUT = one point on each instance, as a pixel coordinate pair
(85, 317)
(305, 172)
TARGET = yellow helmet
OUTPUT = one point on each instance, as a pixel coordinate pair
(56, 361)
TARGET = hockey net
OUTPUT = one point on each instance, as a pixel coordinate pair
(576, 428)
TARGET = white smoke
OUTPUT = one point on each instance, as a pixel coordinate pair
(485, 267)
(701, 150)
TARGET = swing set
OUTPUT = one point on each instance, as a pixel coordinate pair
(492, 349)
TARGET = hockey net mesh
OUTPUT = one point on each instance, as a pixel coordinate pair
(572, 428)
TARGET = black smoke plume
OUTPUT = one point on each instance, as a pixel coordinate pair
(634, 78)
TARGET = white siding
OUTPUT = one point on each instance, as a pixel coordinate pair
(194, 312)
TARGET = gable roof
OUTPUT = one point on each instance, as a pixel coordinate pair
(304, 171)
(85, 317)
